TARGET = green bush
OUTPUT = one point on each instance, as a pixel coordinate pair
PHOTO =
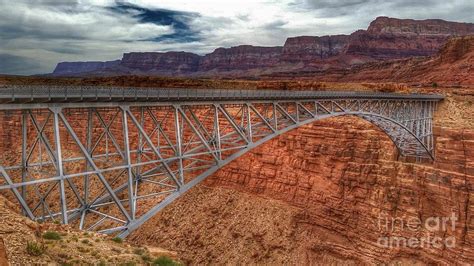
(165, 261)
(51, 235)
(117, 239)
(434, 85)
(35, 249)
(139, 251)
(146, 258)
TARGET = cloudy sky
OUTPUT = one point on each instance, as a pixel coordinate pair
(36, 34)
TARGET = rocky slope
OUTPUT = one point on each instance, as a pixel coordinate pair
(388, 38)
(24, 242)
(323, 194)
(452, 65)
(385, 38)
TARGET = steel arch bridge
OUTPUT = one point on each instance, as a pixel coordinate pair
(108, 159)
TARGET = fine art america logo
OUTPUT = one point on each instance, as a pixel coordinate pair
(427, 232)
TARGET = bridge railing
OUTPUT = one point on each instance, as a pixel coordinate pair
(89, 93)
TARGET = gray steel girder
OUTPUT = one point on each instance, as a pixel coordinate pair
(110, 166)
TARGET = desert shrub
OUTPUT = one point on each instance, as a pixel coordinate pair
(116, 250)
(95, 253)
(64, 256)
(165, 261)
(52, 235)
(35, 249)
(139, 251)
(82, 249)
(117, 239)
(434, 85)
(146, 257)
(85, 241)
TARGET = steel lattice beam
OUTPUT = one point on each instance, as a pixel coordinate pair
(110, 166)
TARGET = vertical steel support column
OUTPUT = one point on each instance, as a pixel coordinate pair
(140, 142)
(59, 161)
(217, 132)
(90, 128)
(126, 142)
(275, 116)
(24, 144)
(178, 144)
(86, 166)
(297, 112)
(249, 123)
(138, 169)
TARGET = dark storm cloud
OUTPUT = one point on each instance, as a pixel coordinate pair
(16, 65)
(179, 21)
(334, 4)
(275, 25)
(362, 11)
(327, 8)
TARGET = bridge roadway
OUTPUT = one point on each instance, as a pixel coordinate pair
(90, 94)
(109, 158)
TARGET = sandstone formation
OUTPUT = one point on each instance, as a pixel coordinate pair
(74, 68)
(311, 48)
(164, 62)
(386, 38)
(452, 65)
(241, 57)
(3, 254)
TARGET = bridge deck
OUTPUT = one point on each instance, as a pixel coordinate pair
(75, 94)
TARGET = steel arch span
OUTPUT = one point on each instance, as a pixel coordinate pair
(108, 159)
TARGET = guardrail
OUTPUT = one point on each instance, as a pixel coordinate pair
(32, 94)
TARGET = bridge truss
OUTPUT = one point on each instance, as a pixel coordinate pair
(109, 159)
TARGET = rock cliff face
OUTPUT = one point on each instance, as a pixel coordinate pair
(74, 68)
(389, 38)
(386, 38)
(241, 57)
(394, 26)
(453, 65)
(161, 62)
(313, 48)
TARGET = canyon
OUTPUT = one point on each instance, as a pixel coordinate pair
(322, 193)
(318, 194)
(385, 39)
